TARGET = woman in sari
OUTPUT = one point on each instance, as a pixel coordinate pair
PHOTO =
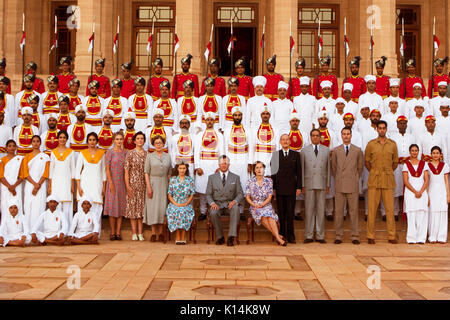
(35, 167)
(10, 177)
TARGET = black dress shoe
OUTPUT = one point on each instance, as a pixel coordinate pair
(298, 217)
(321, 241)
(292, 241)
(230, 241)
(356, 241)
(384, 218)
(242, 217)
(365, 218)
(220, 241)
(396, 218)
(337, 241)
(201, 217)
(393, 241)
(370, 241)
(308, 240)
(330, 218)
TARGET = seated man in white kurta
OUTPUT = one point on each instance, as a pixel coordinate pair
(208, 146)
(51, 226)
(14, 230)
(85, 227)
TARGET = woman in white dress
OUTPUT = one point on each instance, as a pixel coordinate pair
(35, 172)
(10, 177)
(61, 181)
(415, 199)
(439, 193)
(90, 175)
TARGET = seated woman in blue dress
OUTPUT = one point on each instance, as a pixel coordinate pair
(258, 192)
(180, 211)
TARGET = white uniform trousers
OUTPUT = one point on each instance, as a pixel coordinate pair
(437, 226)
(417, 226)
(97, 209)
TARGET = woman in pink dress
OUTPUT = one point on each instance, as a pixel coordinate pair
(115, 196)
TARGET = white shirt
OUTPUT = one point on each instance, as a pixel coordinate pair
(416, 126)
(51, 223)
(428, 141)
(443, 125)
(435, 105)
(411, 104)
(282, 113)
(371, 100)
(352, 107)
(84, 223)
(401, 105)
(254, 106)
(391, 120)
(304, 104)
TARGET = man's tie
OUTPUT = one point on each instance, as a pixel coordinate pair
(346, 150)
(223, 180)
(316, 151)
(285, 154)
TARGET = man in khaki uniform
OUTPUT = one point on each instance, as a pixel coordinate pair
(381, 159)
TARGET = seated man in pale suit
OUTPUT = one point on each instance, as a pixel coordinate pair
(316, 179)
(223, 193)
(347, 164)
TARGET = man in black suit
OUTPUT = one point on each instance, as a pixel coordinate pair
(287, 184)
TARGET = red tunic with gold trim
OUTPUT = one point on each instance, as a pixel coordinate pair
(8, 89)
(410, 81)
(128, 143)
(325, 138)
(50, 103)
(179, 80)
(210, 104)
(128, 88)
(295, 83)
(238, 139)
(78, 137)
(382, 86)
(184, 150)
(296, 140)
(115, 106)
(219, 87)
(209, 142)
(36, 120)
(232, 102)
(265, 135)
(24, 102)
(23, 136)
(64, 121)
(105, 140)
(38, 86)
(436, 79)
(188, 106)
(73, 102)
(245, 88)
(50, 141)
(271, 88)
(167, 105)
(154, 86)
(157, 131)
(359, 86)
(63, 82)
(105, 87)
(326, 77)
(94, 109)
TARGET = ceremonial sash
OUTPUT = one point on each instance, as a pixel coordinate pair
(63, 121)
(184, 145)
(265, 148)
(51, 141)
(166, 106)
(265, 133)
(105, 140)
(73, 102)
(209, 140)
(415, 173)
(296, 140)
(116, 107)
(51, 103)
(24, 100)
(402, 160)
(210, 105)
(24, 143)
(325, 138)
(79, 137)
(94, 108)
(437, 170)
(209, 155)
(232, 102)
(157, 132)
(35, 120)
(237, 150)
(188, 107)
(128, 142)
(140, 106)
(187, 159)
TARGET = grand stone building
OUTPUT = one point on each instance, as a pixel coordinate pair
(194, 19)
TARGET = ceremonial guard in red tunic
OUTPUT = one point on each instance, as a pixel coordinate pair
(104, 90)
(24, 132)
(180, 79)
(382, 83)
(294, 88)
(75, 98)
(220, 87)
(209, 102)
(271, 89)
(66, 76)
(439, 76)
(64, 118)
(105, 133)
(156, 79)
(411, 79)
(127, 81)
(246, 88)
(325, 75)
(168, 106)
(94, 105)
(230, 101)
(38, 83)
(359, 85)
(49, 137)
(141, 105)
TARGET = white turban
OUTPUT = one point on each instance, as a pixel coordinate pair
(52, 115)
(282, 85)
(84, 198)
(80, 107)
(445, 102)
(158, 111)
(326, 84)
(13, 201)
(370, 77)
(348, 86)
(294, 115)
(442, 83)
(236, 109)
(417, 84)
(27, 110)
(185, 117)
(419, 103)
(394, 82)
(129, 115)
(340, 100)
(108, 111)
(304, 81)
(52, 197)
(322, 114)
(211, 115)
(266, 108)
(259, 81)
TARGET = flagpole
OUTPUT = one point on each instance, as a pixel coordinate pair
(231, 51)
(23, 47)
(318, 62)
(345, 48)
(404, 59)
(93, 48)
(56, 44)
(117, 47)
(151, 56)
(371, 49)
(263, 45)
(432, 61)
(175, 88)
(210, 41)
(290, 59)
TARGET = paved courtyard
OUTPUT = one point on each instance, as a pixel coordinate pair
(144, 270)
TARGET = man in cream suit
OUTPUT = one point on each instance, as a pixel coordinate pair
(316, 179)
(223, 193)
(346, 165)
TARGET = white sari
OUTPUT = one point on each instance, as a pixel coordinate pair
(11, 173)
(34, 205)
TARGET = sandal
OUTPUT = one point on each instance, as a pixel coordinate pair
(112, 237)
(161, 238)
(284, 244)
(153, 238)
(118, 237)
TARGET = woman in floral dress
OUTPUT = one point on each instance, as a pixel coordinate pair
(258, 192)
(135, 184)
(180, 212)
(115, 195)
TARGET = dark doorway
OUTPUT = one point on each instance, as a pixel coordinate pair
(244, 40)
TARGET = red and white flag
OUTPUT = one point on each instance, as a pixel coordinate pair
(320, 42)
(262, 43)
(231, 44)
(91, 38)
(371, 39)
(116, 37)
(176, 42)
(208, 46)
(291, 38)
(22, 40)
(346, 45)
(437, 43)
(55, 39)
(292, 45)
(402, 42)
(150, 39)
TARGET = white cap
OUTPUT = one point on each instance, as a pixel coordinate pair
(417, 84)
(442, 83)
(259, 81)
(340, 100)
(13, 201)
(282, 85)
(158, 111)
(52, 115)
(236, 109)
(84, 198)
(445, 101)
(52, 197)
(370, 77)
(80, 107)
(322, 114)
(304, 81)
(266, 108)
(129, 115)
(348, 86)
(185, 117)
(394, 82)
(27, 110)
(419, 103)
(326, 84)
(211, 115)
(294, 115)
(108, 111)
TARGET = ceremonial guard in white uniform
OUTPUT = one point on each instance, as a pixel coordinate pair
(94, 105)
(350, 106)
(141, 105)
(230, 101)
(158, 129)
(442, 119)
(326, 103)
(416, 123)
(370, 98)
(305, 105)
(105, 133)
(435, 103)
(394, 87)
(21, 99)
(256, 104)
(336, 122)
(182, 145)
(417, 101)
(168, 106)
(49, 99)
(349, 121)
(78, 131)
(391, 117)
(282, 108)
(117, 104)
(209, 103)
(431, 138)
(24, 132)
